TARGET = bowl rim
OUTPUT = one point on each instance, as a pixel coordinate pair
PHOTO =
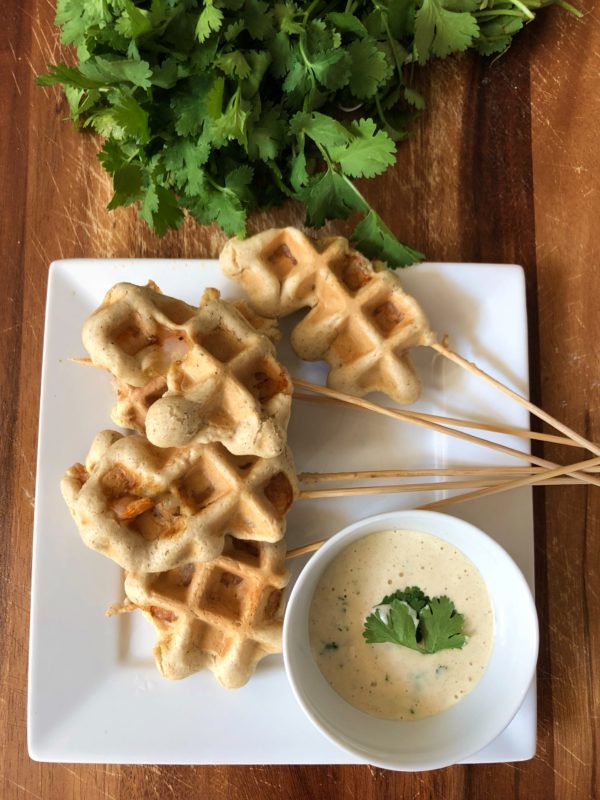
(393, 519)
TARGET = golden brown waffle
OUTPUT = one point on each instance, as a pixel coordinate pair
(191, 376)
(151, 509)
(361, 321)
(224, 615)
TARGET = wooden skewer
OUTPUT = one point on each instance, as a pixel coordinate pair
(305, 548)
(427, 420)
(494, 427)
(461, 423)
(84, 362)
(432, 486)
(447, 501)
(531, 407)
(516, 484)
(572, 439)
(434, 426)
(497, 471)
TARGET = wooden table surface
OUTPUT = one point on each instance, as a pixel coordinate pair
(505, 167)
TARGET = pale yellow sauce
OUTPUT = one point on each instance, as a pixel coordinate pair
(388, 680)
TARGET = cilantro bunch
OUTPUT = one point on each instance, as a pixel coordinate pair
(412, 619)
(220, 107)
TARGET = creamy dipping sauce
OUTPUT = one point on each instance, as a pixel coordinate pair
(388, 680)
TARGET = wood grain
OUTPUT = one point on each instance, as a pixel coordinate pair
(504, 167)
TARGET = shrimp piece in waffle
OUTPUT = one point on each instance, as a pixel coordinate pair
(361, 321)
(224, 615)
(188, 375)
(150, 508)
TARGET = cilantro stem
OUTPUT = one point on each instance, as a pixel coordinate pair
(500, 12)
(310, 9)
(307, 103)
(325, 155)
(526, 12)
(279, 179)
(568, 7)
(216, 185)
(362, 203)
(380, 109)
(394, 133)
(305, 58)
(392, 42)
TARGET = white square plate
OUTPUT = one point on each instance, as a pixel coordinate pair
(94, 692)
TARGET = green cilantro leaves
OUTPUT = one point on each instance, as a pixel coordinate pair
(221, 107)
(441, 28)
(411, 619)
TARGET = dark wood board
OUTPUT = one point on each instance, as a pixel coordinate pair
(504, 167)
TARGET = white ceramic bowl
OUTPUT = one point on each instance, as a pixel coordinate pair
(466, 727)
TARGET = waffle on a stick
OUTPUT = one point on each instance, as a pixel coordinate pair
(360, 320)
(151, 509)
(190, 375)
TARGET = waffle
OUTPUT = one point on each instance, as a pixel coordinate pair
(133, 402)
(151, 509)
(224, 615)
(265, 325)
(190, 375)
(361, 321)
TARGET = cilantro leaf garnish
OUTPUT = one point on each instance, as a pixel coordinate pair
(220, 107)
(399, 628)
(441, 626)
(410, 618)
(412, 596)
